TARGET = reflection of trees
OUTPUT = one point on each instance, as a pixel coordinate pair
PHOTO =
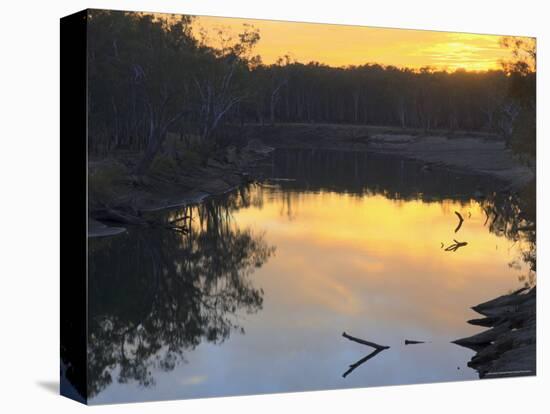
(370, 173)
(154, 293)
(513, 215)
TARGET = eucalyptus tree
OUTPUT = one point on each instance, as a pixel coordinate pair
(222, 81)
(521, 69)
(138, 79)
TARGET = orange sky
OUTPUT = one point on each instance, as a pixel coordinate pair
(339, 45)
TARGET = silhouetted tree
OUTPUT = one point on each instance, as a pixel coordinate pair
(521, 98)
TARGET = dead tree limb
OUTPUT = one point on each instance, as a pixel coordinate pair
(355, 365)
(455, 246)
(363, 342)
(377, 350)
(461, 220)
(409, 342)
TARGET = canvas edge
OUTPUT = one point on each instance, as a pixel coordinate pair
(73, 206)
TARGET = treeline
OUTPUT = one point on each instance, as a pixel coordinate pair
(150, 76)
(376, 95)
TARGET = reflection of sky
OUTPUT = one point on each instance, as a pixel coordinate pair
(369, 266)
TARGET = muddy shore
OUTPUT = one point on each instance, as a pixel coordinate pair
(134, 197)
(465, 151)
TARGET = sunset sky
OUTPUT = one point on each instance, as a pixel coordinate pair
(339, 45)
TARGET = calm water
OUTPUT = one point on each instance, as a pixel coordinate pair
(255, 297)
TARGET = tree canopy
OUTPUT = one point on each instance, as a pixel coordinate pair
(149, 76)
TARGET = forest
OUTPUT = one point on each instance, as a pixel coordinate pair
(151, 76)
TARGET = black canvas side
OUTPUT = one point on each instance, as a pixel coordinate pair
(73, 125)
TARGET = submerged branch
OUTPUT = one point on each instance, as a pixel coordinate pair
(355, 365)
(461, 220)
(455, 246)
(377, 349)
(363, 342)
(409, 342)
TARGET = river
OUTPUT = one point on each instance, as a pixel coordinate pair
(253, 294)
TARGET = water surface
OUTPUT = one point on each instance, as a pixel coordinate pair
(254, 299)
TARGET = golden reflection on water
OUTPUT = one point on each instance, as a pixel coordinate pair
(376, 258)
(368, 265)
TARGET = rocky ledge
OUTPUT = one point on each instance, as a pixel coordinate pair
(508, 348)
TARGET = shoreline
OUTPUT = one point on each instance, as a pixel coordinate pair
(508, 347)
(463, 152)
(217, 178)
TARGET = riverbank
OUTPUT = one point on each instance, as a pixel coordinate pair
(117, 198)
(478, 152)
(509, 347)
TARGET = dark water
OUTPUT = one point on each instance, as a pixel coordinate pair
(254, 297)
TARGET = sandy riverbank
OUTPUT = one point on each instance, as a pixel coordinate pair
(482, 153)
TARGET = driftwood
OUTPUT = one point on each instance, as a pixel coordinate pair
(509, 347)
(377, 349)
(119, 216)
(353, 366)
(455, 246)
(363, 342)
(409, 342)
(461, 220)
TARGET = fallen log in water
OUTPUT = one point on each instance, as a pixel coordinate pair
(111, 215)
(460, 221)
(509, 347)
(455, 246)
(361, 362)
(363, 342)
(409, 342)
(377, 349)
